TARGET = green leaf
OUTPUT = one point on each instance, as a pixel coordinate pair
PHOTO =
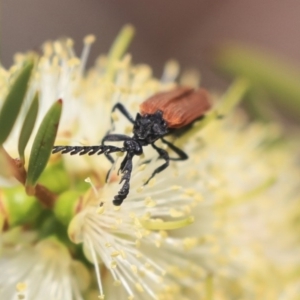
(42, 146)
(265, 71)
(13, 102)
(118, 49)
(233, 96)
(28, 126)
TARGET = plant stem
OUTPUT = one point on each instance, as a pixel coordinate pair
(43, 194)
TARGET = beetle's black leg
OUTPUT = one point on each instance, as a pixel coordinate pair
(113, 138)
(123, 163)
(126, 171)
(181, 154)
(163, 155)
(124, 112)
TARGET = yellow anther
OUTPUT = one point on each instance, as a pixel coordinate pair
(100, 210)
(115, 253)
(152, 182)
(89, 39)
(117, 283)
(134, 269)
(139, 287)
(190, 243)
(113, 264)
(149, 202)
(174, 213)
(176, 187)
(21, 287)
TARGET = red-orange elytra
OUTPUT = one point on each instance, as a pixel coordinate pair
(180, 106)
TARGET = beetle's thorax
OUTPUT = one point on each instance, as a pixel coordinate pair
(150, 127)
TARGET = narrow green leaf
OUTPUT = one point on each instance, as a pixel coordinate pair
(28, 126)
(263, 70)
(42, 145)
(258, 105)
(233, 96)
(118, 49)
(13, 102)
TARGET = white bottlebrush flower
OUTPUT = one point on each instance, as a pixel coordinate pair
(236, 198)
(36, 271)
(123, 237)
(206, 228)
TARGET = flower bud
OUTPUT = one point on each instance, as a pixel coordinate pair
(65, 206)
(17, 207)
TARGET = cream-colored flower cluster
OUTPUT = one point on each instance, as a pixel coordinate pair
(217, 226)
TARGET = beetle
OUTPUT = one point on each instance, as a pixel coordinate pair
(162, 114)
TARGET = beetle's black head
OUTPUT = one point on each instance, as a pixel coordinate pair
(150, 127)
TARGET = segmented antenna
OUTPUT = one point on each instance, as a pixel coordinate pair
(90, 150)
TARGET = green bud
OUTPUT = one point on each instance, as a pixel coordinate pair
(55, 178)
(20, 208)
(65, 206)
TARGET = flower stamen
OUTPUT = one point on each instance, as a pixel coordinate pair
(158, 224)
